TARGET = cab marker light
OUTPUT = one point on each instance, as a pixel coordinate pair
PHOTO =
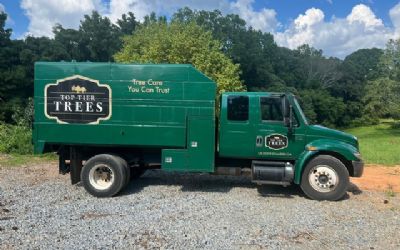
(312, 148)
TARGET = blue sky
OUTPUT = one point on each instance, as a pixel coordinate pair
(337, 26)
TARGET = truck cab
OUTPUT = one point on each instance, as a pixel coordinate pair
(271, 130)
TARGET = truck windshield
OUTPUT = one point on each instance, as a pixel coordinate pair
(300, 111)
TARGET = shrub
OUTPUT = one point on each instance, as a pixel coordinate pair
(364, 121)
(396, 125)
(15, 139)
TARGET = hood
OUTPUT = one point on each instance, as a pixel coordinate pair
(319, 132)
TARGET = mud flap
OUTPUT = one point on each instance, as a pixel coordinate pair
(75, 165)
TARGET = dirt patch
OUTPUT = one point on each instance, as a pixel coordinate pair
(379, 178)
(3, 157)
(32, 174)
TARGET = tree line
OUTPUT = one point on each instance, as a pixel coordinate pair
(360, 89)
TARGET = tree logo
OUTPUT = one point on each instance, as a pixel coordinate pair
(77, 99)
(78, 89)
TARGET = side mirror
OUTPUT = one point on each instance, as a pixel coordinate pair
(288, 120)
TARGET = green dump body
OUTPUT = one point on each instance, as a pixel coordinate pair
(166, 107)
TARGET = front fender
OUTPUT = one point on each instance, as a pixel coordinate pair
(323, 145)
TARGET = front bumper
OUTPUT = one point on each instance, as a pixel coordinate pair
(358, 168)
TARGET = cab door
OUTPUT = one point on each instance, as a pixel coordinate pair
(274, 140)
(236, 128)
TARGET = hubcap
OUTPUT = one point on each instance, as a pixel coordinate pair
(323, 178)
(101, 177)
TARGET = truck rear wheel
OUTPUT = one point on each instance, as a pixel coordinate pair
(127, 170)
(103, 175)
(325, 178)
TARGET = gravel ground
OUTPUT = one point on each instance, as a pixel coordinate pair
(39, 209)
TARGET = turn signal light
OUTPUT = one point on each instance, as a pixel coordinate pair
(312, 148)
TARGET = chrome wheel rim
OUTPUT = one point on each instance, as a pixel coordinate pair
(101, 176)
(323, 178)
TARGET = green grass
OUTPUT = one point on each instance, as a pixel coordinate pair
(10, 160)
(379, 144)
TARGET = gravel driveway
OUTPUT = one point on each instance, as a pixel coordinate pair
(40, 209)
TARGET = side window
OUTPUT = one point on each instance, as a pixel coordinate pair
(238, 108)
(271, 109)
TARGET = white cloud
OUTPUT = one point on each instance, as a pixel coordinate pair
(336, 36)
(264, 19)
(302, 29)
(2, 9)
(339, 36)
(312, 17)
(395, 17)
(44, 14)
(164, 7)
(363, 14)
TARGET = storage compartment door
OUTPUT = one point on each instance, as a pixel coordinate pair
(174, 159)
(200, 144)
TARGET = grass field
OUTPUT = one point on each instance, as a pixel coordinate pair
(8, 160)
(379, 144)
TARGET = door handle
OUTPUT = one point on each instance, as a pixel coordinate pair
(259, 141)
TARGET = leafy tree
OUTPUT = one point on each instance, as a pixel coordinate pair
(99, 37)
(288, 67)
(320, 71)
(382, 98)
(322, 108)
(389, 65)
(70, 40)
(5, 34)
(253, 50)
(152, 18)
(383, 94)
(12, 74)
(127, 24)
(159, 42)
(356, 70)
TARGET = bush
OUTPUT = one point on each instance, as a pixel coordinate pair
(15, 139)
(364, 121)
(396, 125)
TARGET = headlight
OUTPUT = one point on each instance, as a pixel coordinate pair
(358, 155)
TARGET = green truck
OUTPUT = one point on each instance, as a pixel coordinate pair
(109, 123)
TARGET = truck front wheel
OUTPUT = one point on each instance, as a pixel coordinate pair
(103, 175)
(325, 178)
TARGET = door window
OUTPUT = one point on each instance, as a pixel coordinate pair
(271, 109)
(238, 108)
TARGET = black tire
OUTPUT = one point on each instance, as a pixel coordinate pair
(136, 172)
(98, 164)
(126, 168)
(325, 178)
